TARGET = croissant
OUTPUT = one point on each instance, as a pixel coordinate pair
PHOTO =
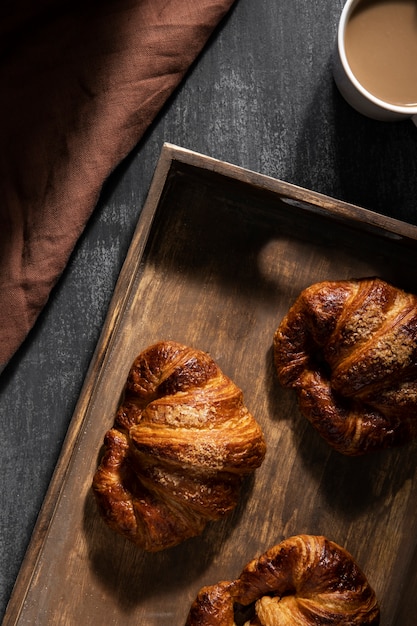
(304, 580)
(181, 444)
(349, 349)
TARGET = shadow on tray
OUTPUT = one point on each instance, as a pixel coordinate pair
(133, 576)
(349, 485)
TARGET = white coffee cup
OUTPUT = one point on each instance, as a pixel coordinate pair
(353, 91)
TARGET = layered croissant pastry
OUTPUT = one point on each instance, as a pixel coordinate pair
(305, 580)
(181, 444)
(349, 349)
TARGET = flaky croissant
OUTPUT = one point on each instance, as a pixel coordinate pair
(305, 580)
(180, 446)
(349, 349)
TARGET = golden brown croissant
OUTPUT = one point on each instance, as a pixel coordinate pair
(180, 446)
(305, 580)
(349, 349)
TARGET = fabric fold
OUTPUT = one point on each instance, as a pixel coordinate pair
(81, 84)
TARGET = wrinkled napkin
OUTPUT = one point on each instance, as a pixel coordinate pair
(81, 82)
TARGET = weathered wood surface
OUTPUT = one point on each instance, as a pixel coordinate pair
(218, 256)
(262, 97)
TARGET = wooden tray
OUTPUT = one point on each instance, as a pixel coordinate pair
(218, 256)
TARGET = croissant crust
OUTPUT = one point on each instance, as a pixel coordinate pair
(349, 349)
(304, 580)
(181, 444)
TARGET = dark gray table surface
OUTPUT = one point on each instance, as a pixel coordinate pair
(260, 96)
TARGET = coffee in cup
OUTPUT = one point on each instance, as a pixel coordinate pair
(375, 64)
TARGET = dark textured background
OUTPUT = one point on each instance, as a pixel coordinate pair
(262, 97)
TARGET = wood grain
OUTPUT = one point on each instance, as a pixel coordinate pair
(218, 256)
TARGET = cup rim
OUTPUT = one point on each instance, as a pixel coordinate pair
(396, 108)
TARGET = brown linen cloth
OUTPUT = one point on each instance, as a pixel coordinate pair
(81, 82)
